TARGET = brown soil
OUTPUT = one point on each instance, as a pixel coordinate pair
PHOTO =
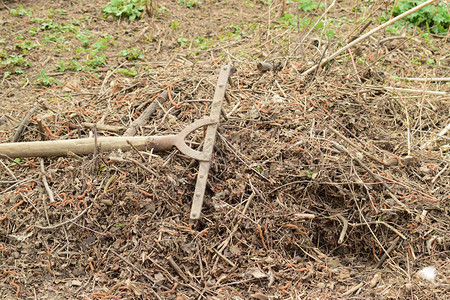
(314, 179)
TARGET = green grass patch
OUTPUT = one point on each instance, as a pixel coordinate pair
(190, 3)
(131, 54)
(124, 9)
(44, 79)
(309, 5)
(128, 72)
(434, 18)
(20, 11)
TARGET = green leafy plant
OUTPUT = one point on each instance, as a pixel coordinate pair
(98, 47)
(309, 5)
(432, 17)
(53, 37)
(16, 70)
(174, 25)
(46, 80)
(20, 11)
(96, 62)
(14, 60)
(127, 9)
(202, 43)
(129, 72)
(161, 11)
(71, 65)
(291, 20)
(131, 54)
(431, 62)
(26, 45)
(119, 225)
(33, 30)
(84, 38)
(182, 41)
(330, 33)
(190, 3)
(236, 31)
(48, 24)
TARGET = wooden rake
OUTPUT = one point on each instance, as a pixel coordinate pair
(157, 143)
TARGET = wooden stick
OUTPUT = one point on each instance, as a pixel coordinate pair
(68, 147)
(365, 36)
(422, 79)
(389, 250)
(353, 289)
(103, 127)
(65, 222)
(395, 89)
(23, 124)
(45, 182)
(150, 110)
(283, 8)
(177, 269)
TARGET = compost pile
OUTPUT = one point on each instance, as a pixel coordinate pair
(323, 185)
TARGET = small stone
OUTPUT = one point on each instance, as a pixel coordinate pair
(321, 285)
(76, 282)
(428, 273)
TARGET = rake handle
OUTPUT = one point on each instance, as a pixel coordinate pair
(85, 146)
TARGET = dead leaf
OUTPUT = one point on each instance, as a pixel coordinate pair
(256, 273)
(259, 296)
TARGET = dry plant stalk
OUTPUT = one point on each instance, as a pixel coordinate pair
(365, 36)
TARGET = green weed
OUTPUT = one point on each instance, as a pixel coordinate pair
(131, 54)
(201, 43)
(290, 20)
(236, 31)
(84, 38)
(432, 17)
(53, 37)
(106, 38)
(162, 10)
(127, 9)
(174, 25)
(309, 5)
(72, 65)
(98, 47)
(431, 62)
(129, 72)
(96, 62)
(182, 41)
(44, 79)
(20, 11)
(25, 45)
(190, 3)
(48, 24)
(14, 60)
(16, 70)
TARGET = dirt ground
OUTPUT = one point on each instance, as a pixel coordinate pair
(330, 185)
